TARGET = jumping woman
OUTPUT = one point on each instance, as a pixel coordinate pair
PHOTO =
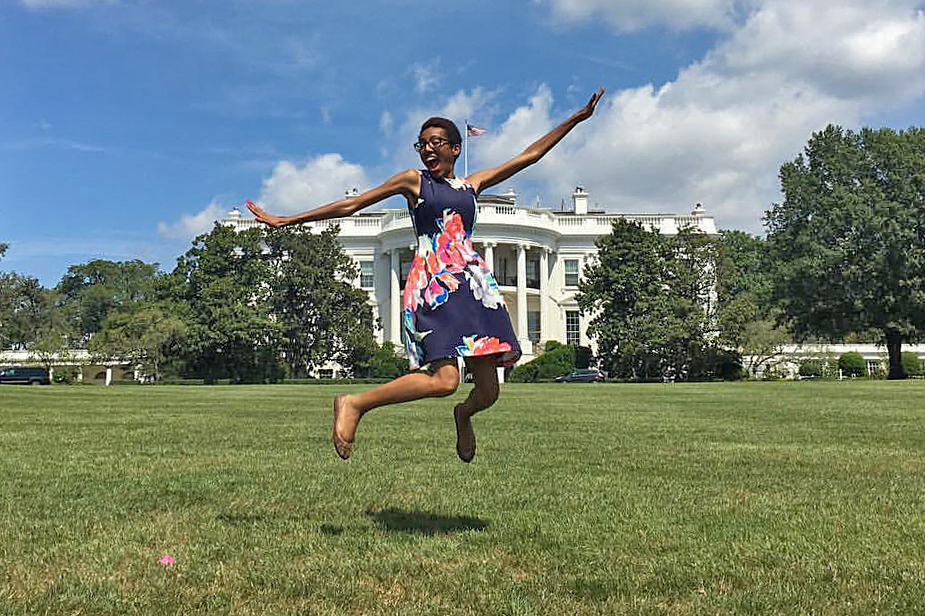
(452, 306)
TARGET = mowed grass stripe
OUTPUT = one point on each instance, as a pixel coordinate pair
(739, 498)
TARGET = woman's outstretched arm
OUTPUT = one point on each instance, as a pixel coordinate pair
(480, 180)
(406, 183)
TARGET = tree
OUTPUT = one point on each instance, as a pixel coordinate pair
(384, 363)
(220, 288)
(93, 290)
(650, 297)
(848, 237)
(148, 338)
(322, 315)
(31, 318)
(746, 312)
(3, 248)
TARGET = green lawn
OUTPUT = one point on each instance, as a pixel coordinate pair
(751, 498)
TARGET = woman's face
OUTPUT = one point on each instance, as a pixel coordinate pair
(438, 155)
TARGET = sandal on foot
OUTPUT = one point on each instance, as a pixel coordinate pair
(342, 447)
(465, 454)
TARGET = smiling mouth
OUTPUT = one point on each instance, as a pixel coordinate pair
(431, 162)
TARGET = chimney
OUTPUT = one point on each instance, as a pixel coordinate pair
(698, 210)
(580, 200)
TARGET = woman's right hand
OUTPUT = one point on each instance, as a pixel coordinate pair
(267, 219)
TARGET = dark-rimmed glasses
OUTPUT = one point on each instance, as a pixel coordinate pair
(433, 142)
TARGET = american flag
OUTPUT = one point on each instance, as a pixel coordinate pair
(475, 131)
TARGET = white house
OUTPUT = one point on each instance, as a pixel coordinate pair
(537, 255)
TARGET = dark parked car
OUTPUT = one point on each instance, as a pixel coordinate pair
(585, 375)
(19, 375)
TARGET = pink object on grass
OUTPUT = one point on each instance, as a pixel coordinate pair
(167, 559)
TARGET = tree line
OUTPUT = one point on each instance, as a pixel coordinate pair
(843, 260)
(252, 306)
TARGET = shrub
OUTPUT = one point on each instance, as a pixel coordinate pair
(525, 373)
(557, 360)
(65, 375)
(812, 368)
(852, 364)
(776, 372)
(713, 363)
(384, 363)
(912, 365)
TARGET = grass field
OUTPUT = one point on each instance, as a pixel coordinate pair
(751, 498)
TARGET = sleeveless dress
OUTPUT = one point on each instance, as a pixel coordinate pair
(452, 306)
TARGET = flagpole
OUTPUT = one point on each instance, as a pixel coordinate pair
(466, 153)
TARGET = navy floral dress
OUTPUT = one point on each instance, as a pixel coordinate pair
(452, 305)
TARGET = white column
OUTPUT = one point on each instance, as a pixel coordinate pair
(395, 297)
(490, 255)
(108, 376)
(522, 293)
(544, 291)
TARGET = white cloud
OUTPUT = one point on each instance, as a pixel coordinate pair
(323, 179)
(629, 15)
(386, 123)
(55, 143)
(191, 225)
(426, 76)
(719, 132)
(477, 105)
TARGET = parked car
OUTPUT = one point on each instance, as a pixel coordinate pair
(20, 375)
(585, 375)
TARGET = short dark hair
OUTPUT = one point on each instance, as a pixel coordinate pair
(451, 131)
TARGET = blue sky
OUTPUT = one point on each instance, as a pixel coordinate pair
(127, 127)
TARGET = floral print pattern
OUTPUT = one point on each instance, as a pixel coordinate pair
(446, 266)
(439, 258)
(481, 345)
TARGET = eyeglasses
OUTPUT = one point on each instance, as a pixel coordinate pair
(433, 142)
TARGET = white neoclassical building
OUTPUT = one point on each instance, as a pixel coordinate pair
(537, 255)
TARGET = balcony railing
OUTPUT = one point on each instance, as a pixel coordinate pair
(399, 220)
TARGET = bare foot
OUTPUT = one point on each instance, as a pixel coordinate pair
(465, 435)
(346, 418)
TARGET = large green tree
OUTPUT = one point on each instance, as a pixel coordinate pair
(93, 290)
(650, 298)
(322, 314)
(849, 237)
(149, 338)
(30, 316)
(746, 314)
(221, 290)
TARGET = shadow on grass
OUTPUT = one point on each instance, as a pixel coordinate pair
(397, 520)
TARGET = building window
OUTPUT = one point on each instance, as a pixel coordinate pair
(405, 268)
(502, 276)
(533, 326)
(366, 275)
(533, 273)
(572, 325)
(571, 272)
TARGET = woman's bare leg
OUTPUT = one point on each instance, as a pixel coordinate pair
(483, 395)
(442, 380)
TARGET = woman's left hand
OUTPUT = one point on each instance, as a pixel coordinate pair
(588, 110)
(261, 216)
